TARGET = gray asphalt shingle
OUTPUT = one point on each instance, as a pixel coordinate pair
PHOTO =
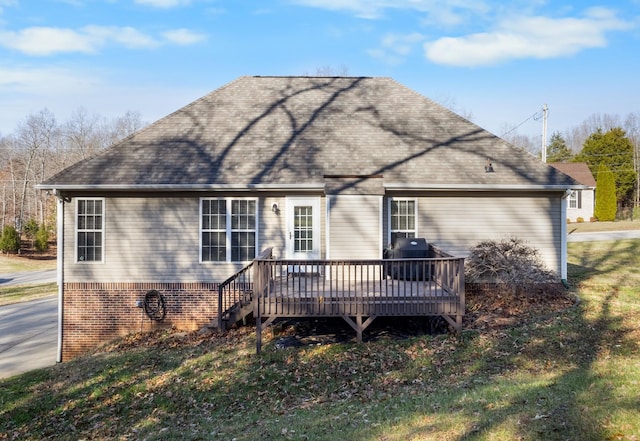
(294, 130)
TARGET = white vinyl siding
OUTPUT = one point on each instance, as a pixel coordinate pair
(456, 222)
(355, 227)
(580, 205)
(150, 239)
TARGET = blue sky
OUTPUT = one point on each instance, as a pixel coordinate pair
(496, 62)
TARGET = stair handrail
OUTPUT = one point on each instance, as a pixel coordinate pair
(266, 254)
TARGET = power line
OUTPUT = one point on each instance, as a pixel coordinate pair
(536, 116)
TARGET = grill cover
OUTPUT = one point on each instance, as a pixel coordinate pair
(408, 248)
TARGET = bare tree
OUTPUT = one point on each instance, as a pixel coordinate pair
(576, 136)
(123, 126)
(328, 71)
(632, 128)
(34, 139)
(82, 134)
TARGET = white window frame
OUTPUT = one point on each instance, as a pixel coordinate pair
(415, 219)
(228, 230)
(77, 257)
(574, 200)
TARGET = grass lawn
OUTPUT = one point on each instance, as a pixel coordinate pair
(17, 264)
(15, 294)
(571, 374)
(589, 227)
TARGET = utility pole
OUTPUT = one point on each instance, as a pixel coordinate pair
(545, 110)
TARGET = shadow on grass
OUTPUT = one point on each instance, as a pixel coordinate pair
(545, 378)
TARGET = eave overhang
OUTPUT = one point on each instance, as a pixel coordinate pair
(478, 187)
(183, 187)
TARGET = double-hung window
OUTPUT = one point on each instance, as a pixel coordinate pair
(90, 230)
(402, 218)
(228, 230)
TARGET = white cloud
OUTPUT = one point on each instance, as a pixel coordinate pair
(164, 4)
(46, 41)
(126, 36)
(375, 8)
(527, 37)
(41, 41)
(183, 37)
(395, 47)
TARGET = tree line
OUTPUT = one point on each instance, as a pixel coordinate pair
(39, 148)
(610, 146)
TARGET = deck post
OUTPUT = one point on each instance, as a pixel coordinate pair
(220, 323)
(358, 326)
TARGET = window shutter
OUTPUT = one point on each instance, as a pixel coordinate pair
(579, 199)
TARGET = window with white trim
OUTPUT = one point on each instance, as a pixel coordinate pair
(402, 218)
(228, 230)
(90, 230)
(575, 199)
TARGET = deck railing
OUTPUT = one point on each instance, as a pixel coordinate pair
(356, 290)
(382, 287)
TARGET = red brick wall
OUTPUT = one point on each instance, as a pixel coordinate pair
(95, 313)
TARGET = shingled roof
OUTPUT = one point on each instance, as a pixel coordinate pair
(297, 131)
(577, 170)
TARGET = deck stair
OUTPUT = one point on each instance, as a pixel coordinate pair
(238, 311)
(235, 296)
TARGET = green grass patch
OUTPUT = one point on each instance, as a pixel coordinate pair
(17, 264)
(591, 227)
(567, 375)
(15, 294)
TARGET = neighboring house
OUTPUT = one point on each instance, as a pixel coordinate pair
(581, 202)
(314, 167)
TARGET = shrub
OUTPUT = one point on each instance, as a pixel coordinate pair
(30, 228)
(10, 240)
(42, 239)
(606, 202)
(580, 220)
(509, 262)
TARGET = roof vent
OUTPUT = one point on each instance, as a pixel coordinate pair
(489, 167)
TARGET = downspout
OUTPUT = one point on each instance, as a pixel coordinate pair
(563, 237)
(60, 265)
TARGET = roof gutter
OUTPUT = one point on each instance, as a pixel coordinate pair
(183, 187)
(480, 187)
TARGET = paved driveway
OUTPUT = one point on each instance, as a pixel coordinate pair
(604, 235)
(28, 336)
(28, 278)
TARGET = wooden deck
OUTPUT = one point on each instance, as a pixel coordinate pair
(357, 290)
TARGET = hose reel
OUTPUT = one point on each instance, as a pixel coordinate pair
(154, 305)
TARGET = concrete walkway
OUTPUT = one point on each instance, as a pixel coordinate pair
(28, 336)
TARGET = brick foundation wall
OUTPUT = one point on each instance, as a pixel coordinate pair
(95, 313)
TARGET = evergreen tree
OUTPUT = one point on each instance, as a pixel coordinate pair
(42, 239)
(557, 150)
(615, 150)
(10, 240)
(606, 203)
